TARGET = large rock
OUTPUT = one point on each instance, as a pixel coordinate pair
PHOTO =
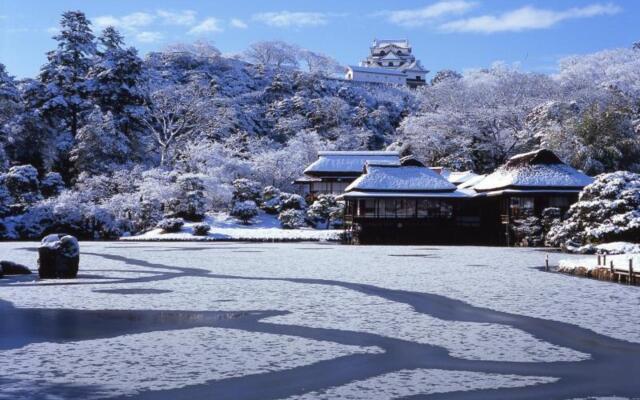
(11, 268)
(59, 256)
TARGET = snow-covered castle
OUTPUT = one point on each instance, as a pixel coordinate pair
(391, 62)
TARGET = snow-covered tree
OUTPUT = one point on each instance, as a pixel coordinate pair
(245, 189)
(116, 78)
(292, 219)
(100, 144)
(23, 184)
(201, 229)
(10, 108)
(273, 53)
(171, 225)
(64, 74)
(51, 185)
(174, 113)
(326, 209)
(33, 136)
(607, 210)
(245, 210)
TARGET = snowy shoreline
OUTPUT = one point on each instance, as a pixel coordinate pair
(265, 228)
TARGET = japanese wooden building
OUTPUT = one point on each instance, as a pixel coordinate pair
(333, 171)
(403, 201)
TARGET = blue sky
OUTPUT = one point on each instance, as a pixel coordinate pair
(456, 34)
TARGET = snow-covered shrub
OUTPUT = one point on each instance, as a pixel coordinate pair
(326, 209)
(528, 232)
(51, 185)
(171, 225)
(607, 210)
(5, 200)
(245, 189)
(67, 213)
(270, 200)
(190, 202)
(201, 229)
(292, 201)
(245, 210)
(292, 219)
(22, 182)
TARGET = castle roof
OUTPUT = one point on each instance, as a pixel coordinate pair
(376, 70)
(391, 42)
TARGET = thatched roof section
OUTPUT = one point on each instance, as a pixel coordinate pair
(537, 170)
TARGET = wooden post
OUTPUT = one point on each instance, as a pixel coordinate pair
(546, 262)
(604, 259)
(630, 280)
(613, 274)
(599, 260)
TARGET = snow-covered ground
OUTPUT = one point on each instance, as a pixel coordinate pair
(264, 227)
(314, 320)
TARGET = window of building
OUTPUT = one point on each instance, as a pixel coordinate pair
(561, 202)
(432, 208)
(387, 208)
(521, 206)
(367, 208)
(407, 208)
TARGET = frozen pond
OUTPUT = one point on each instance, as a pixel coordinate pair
(314, 321)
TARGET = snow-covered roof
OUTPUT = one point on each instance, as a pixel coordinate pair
(535, 170)
(391, 42)
(458, 177)
(398, 178)
(470, 183)
(454, 194)
(414, 66)
(390, 57)
(376, 70)
(348, 162)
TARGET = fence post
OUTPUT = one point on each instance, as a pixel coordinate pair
(599, 264)
(546, 262)
(604, 259)
(613, 273)
(630, 281)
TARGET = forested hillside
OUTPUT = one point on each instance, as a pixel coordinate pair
(106, 141)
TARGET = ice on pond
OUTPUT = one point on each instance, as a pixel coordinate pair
(421, 382)
(162, 360)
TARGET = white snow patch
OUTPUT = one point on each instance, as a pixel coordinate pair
(264, 227)
(130, 364)
(405, 383)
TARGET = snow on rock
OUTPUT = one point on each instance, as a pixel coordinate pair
(264, 227)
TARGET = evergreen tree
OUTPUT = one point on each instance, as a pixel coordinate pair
(116, 77)
(100, 145)
(10, 108)
(64, 74)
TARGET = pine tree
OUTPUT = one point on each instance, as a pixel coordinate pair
(10, 108)
(64, 75)
(116, 77)
(100, 145)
